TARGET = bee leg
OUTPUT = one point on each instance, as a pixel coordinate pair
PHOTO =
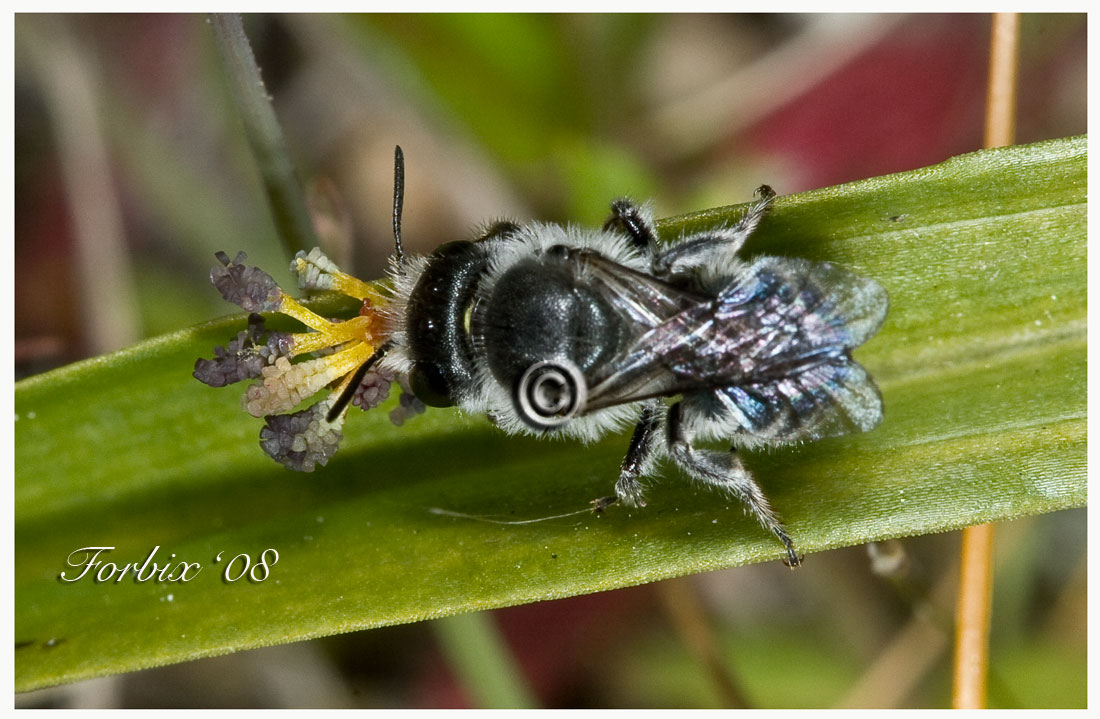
(634, 222)
(725, 471)
(710, 246)
(639, 458)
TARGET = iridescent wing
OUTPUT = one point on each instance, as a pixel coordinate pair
(772, 348)
(650, 308)
(831, 398)
(647, 302)
(799, 381)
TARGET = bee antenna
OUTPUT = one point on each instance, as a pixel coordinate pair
(398, 199)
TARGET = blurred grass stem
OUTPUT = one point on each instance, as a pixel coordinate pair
(1000, 115)
(482, 662)
(972, 615)
(284, 189)
(107, 300)
(912, 653)
(680, 599)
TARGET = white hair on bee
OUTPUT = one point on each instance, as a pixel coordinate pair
(403, 272)
(497, 402)
(537, 237)
(488, 396)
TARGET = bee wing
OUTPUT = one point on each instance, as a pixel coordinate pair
(652, 308)
(772, 349)
(828, 399)
(804, 383)
(784, 314)
(647, 301)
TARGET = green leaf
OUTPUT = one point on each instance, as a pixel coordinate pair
(981, 363)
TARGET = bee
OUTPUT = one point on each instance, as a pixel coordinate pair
(556, 330)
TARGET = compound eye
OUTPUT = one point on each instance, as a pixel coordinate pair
(430, 386)
(550, 393)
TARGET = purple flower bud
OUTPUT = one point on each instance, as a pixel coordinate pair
(249, 287)
(373, 389)
(303, 440)
(245, 356)
(408, 406)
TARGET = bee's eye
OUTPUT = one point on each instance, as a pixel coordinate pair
(550, 393)
(430, 386)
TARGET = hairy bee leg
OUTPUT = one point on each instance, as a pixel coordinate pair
(725, 471)
(705, 248)
(639, 455)
(635, 223)
(756, 213)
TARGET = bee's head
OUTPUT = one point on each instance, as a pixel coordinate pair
(436, 323)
